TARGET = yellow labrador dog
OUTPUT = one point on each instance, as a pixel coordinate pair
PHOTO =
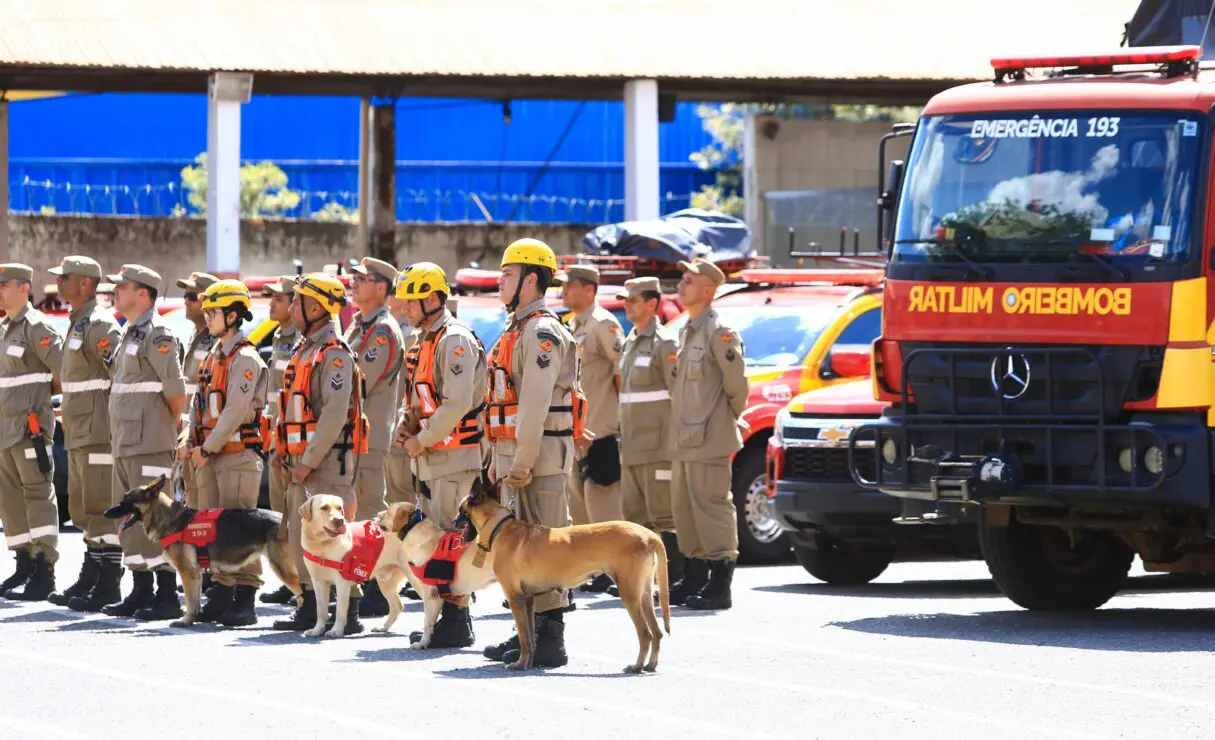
(339, 554)
(531, 559)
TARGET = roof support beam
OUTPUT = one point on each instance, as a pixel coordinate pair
(226, 92)
(641, 199)
(382, 183)
(4, 231)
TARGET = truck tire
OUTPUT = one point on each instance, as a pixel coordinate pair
(842, 566)
(760, 537)
(1038, 569)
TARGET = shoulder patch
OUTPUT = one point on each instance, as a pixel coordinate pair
(45, 342)
(671, 357)
(103, 343)
(457, 369)
(727, 337)
(338, 363)
(543, 361)
(544, 334)
(546, 345)
(81, 324)
(249, 374)
(165, 338)
(381, 338)
(458, 352)
(336, 382)
(164, 348)
(371, 354)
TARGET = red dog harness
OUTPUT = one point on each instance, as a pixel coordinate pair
(358, 564)
(199, 532)
(440, 570)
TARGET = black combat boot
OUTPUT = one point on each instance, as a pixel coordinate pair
(242, 613)
(282, 596)
(569, 596)
(142, 594)
(353, 625)
(219, 601)
(695, 576)
(716, 593)
(373, 603)
(453, 630)
(304, 616)
(549, 650)
(89, 571)
(107, 589)
(495, 652)
(166, 605)
(25, 567)
(41, 583)
(675, 559)
(409, 593)
(597, 585)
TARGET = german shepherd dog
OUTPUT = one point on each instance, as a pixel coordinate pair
(241, 536)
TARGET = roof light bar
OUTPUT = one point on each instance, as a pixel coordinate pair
(1140, 55)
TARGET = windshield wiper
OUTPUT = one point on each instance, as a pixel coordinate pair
(1118, 272)
(983, 272)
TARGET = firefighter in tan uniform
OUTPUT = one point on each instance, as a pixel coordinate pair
(646, 366)
(226, 445)
(440, 425)
(283, 345)
(321, 429)
(84, 377)
(30, 360)
(400, 483)
(147, 400)
(534, 410)
(200, 345)
(708, 395)
(375, 339)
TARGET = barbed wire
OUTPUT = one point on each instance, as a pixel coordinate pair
(170, 200)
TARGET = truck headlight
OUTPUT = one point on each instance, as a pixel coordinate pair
(890, 451)
(1153, 460)
(778, 428)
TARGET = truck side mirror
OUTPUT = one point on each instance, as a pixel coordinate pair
(889, 199)
(847, 362)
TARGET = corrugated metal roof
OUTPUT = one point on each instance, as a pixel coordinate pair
(664, 39)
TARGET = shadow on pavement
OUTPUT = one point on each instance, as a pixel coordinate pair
(406, 654)
(106, 624)
(1121, 630)
(970, 588)
(493, 669)
(45, 615)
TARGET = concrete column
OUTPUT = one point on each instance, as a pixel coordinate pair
(753, 205)
(4, 232)
(362, 242)
(641, 198)
(226, 92)
(382, 210)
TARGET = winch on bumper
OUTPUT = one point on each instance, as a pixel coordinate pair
(1051, 444)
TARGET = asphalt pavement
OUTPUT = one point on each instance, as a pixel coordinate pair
(929, 650)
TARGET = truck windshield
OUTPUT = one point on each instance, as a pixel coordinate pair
(1111, 189)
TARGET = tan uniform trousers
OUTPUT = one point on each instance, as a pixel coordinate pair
(443, 504)
(231, 481)
(280, 481)
(27, 503)
(646, 491)
(90, 486)
(320, 483)
(140, 552)
(369, 485)
(590, 502)
(398, 478)
(544, 501)
(705, 520)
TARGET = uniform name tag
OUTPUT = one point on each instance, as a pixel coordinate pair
(15, 351)
(132, 349)
(642, 361)
(200, 354)
(280, 364)
(74, 343)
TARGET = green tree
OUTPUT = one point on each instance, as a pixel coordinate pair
(725, 153)
(263, 189)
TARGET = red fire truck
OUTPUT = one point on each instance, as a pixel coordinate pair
(1046, 347)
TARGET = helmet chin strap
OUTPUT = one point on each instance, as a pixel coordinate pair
(514, 301)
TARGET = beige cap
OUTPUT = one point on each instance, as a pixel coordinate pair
(16, 271)
(197, 281)
(283, 286)
(373, 266)
(77, 265)
(589, 273)
(145, 276)
(635, 287)
(706, 268)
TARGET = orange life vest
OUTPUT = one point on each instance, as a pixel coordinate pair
(297, 417)
(419, 365)
(502, 401)
(211, 398)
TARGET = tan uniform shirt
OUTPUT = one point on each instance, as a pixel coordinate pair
(460, 381)
(647, 367)
(92, 341)
(544, 368)
(244, 395)
(280, 354)
(330, 396)
(709, 392)
(600, 340)
(147, 370)
(200, 345)
(409, 335)
(31, 354)
(376, 343)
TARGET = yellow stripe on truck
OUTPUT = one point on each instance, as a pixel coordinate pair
(1185, 379)
(1188, 311)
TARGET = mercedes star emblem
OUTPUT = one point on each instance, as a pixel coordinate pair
(1010, 375)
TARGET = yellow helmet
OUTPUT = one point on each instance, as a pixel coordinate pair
(226, 294)
(529, 252)
(326, 290)
(420, 280)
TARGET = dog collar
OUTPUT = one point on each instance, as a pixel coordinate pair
(414, 520)
(494, 534)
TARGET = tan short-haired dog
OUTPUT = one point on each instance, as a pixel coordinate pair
(531, 559)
